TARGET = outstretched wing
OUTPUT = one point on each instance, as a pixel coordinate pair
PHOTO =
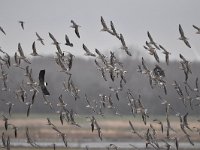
(2, 30)
(77, 32)
(181, 31)
(196, 27)
(42, 83)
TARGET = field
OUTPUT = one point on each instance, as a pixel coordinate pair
(115, 129)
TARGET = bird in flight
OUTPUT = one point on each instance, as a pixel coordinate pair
(197, 28)
(34, 53)
(75, 26)
(124, 47)
(68, 41)
(152, 41)
(39, 38)
(22, 56)
(183, 37)
(88, 53)
(166, 54)
(22, 24)
(42, 83)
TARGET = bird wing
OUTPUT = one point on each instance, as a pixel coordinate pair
(150, 37)
(196, 27)
(113, 28)
(197, 83)
(182, 57)
(86, 49)
(52, 37)
(181, 31)
(39, 38)
(187, 43)
(67, 39)
(41, 76)
(77, 32)
(20, 50)
(2, 30)
(103, 23)
(42, 84)
(156, 56)
(34, 48)
(122, 40)
(22, 24)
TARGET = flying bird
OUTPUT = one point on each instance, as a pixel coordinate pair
(183, 37)
(124, 47)
(88, 53)
(21, 53)
(166, 54)
(15, 129)
(152, 41)
(22, 24)
(39, 38)
(34, 53)
(152, 51)
(105, 28)
(10, 106)
(42, 83)
(29, 104)
(113, 30)
(197, 28)
(196, 85)
(68, 41)
(55, 42)
(29, 139)
(75, 26)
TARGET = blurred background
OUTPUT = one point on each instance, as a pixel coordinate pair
(131, 18)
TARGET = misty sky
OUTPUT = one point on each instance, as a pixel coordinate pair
(131, 18)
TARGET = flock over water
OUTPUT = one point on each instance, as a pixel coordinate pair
(110, 68)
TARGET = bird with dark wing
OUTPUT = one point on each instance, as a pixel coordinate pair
(34, 53)
(183, 37)
(29, 139)
(21, 53)
(67, 41)
(152, 51)
(105, 28)
(113, 30)
(166, 54)
(88, 53)
(2, 30)
(10, 106)
(39, 38)
(185, 66)
(158, 71)
(42, 83)
(124, 47)
(197, 28)
(196, 89)
(55, 42)
(22, 24)
(75, 26)
(152, 41)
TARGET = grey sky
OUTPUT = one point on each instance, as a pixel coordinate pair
(131, 18)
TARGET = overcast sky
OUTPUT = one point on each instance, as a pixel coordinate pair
(131, 18)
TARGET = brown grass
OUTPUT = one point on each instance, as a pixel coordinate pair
(111, 129)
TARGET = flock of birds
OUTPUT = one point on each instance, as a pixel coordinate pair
(106, 65)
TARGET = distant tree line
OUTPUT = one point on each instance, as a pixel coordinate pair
(88, 79)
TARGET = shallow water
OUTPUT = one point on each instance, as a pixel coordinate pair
(125, 145)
